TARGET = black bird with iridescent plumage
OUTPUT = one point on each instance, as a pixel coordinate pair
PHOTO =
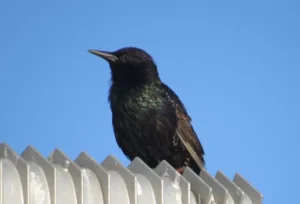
(148, 118)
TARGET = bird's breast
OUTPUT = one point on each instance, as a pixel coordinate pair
(131, 99)
(132, 106)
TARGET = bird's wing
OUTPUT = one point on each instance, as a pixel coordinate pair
(184, 130)
(188, 137)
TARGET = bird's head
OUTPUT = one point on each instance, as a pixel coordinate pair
(130, 65)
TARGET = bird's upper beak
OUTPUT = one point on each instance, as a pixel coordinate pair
(105, 55)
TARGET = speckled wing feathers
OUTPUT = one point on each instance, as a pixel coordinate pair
(186, 132)
(189, 138)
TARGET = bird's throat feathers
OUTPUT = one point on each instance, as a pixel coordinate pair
(119, 93)
(134, 77)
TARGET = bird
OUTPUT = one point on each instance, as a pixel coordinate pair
(149, 120)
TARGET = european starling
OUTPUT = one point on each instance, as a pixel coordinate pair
(148, 118)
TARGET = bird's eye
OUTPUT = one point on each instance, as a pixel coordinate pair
(124, 58)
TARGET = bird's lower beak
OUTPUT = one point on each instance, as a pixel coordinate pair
(105, 55)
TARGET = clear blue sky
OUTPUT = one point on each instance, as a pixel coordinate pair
(235, 65)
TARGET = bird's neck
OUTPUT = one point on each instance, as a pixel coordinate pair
(134, 77)
(123, 92)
